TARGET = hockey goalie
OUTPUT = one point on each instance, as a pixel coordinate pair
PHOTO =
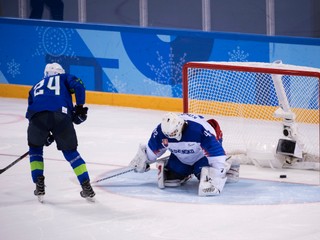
(195, 147)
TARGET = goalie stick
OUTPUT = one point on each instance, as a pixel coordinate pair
(14, 162)
(129, 169)
(126, 170)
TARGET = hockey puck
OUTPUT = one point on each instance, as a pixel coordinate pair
(283, 176)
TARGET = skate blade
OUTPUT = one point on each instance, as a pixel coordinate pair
(40, 198)
(90, 199)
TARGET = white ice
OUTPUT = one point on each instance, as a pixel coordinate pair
(107, 141)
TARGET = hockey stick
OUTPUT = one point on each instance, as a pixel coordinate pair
(14, 162)
(114, 175)
(128, 169)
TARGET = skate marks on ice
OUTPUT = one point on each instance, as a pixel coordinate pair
(245, 192)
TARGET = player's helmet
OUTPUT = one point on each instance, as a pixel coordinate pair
(172, 126)
(53, 69)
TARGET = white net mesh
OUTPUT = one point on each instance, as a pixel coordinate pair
(244, 102)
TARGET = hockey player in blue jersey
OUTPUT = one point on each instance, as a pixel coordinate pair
(51, 115)
(195, 147)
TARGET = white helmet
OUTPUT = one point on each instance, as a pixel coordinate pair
(53, 69)
(172, 125)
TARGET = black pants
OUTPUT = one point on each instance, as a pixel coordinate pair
(59, 124)
(56, 8)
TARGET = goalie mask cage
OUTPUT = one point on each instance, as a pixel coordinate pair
(245, 97)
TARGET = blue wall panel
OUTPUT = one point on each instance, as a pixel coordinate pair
(133, 60)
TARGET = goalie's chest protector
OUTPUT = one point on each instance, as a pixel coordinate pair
(196, 142)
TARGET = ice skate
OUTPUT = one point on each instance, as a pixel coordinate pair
(167, 179)
(40, 191)
(87, 191)
(174, 180)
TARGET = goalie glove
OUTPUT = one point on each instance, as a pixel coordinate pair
(140, 161)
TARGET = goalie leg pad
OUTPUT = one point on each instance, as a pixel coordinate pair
(161, 173)
(212, 182)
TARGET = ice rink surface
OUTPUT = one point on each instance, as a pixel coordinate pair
(261, 206)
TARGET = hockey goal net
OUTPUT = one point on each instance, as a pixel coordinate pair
(257, 104)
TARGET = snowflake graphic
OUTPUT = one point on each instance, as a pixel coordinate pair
(121, 86)
(168, 71)
(13, 68)
(156, 89)
(54, 41)
(237, 55)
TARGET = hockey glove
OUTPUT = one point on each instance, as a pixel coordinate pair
(140, 161)
(79, 114)
(49, 140)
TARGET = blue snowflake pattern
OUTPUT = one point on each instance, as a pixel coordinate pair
(168, 71)
(55, 42)
(121, 86)
(13, 68)
(238, 55)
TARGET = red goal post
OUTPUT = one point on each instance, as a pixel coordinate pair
(256, 96)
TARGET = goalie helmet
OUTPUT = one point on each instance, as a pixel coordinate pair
(172, 126)
(53, 69)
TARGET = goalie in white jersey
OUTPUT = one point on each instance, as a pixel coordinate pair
(195, 147)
